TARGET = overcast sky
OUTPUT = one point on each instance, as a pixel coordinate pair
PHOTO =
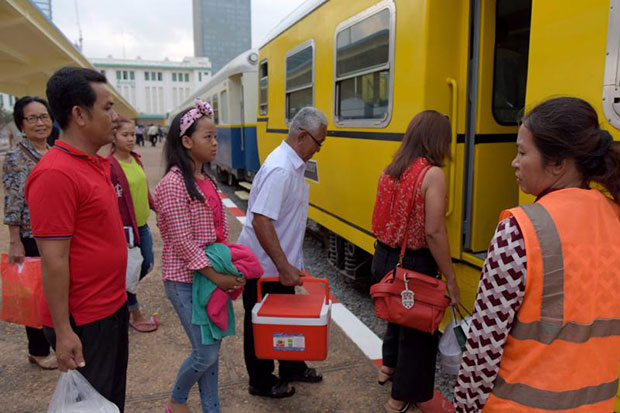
(151, 29)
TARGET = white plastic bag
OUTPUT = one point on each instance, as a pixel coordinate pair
(74, 394)
(450, 351)
(134, 264)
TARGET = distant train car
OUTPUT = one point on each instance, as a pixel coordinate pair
(232, 92)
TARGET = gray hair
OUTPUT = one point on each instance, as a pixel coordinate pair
(308, 118)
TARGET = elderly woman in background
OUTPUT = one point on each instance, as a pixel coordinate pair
(545, 333)
(32, 117)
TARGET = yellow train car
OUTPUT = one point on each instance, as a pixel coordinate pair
(371, 65)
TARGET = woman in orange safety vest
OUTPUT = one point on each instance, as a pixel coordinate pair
(545, 334)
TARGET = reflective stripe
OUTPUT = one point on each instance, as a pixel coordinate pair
(572, 332)
(551, 326)
(552, 310)
(554, 400)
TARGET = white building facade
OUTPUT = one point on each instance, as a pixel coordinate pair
(155, 87)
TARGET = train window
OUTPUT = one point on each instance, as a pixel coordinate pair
(363, 75)
(263, 71)
(299, 79)
(512, 44)
(224, 106)
(216, 110)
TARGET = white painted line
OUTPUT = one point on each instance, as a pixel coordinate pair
(228, 203)
(357, 331)
(241, 219)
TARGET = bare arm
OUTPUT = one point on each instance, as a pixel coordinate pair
(16, 248)
(55, 265)
(268, 239)
(434, 192)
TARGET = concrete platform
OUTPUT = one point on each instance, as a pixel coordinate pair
(349, 376)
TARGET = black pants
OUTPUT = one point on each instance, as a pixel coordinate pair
(105, 348)
(153, 139)
(37, 343)
(261, 371)
(411, 352)
(139, 139)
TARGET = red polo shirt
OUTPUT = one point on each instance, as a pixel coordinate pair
(70, 196)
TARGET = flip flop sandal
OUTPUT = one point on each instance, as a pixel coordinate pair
(384, 377)
(146, 326)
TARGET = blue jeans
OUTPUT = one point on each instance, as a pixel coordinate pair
(146, 249)
(202, 365)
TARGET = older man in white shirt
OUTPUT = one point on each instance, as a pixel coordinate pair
(274, 230)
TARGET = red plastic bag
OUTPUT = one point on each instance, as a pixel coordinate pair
(22, 292)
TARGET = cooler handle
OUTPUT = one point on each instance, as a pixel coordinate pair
(306, 279)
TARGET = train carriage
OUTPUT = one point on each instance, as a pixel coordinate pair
(232, 92)
(371, 65)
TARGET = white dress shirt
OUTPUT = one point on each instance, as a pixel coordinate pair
(280, 193)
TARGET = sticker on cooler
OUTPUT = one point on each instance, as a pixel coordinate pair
(289, 342)
(292, 327)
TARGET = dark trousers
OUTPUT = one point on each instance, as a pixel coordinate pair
(105, 348)
(139, 139)
(37, 343)
(261, 371)
(411, 352)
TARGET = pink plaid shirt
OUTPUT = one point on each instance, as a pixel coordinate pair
(186, 228)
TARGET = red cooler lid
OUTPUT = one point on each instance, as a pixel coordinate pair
(292, 306)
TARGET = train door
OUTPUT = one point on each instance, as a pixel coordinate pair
(497, 75)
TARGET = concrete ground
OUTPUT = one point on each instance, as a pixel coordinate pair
(349, 383)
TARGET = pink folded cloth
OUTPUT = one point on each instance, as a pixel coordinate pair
(247, 264)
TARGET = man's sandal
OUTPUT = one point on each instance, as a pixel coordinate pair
(279, 390)
(146, 326)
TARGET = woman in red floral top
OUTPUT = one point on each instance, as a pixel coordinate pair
(190, 217)
(411, 199)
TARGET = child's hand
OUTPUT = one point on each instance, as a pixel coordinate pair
(228, 283)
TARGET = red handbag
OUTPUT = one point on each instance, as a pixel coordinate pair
(409, 298)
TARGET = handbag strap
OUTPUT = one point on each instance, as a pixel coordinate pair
(417, 187)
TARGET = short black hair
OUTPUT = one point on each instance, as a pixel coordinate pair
(18, 108)
(69, 87)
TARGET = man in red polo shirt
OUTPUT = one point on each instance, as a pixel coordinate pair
(78, 229)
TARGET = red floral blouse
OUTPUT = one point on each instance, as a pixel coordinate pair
(393, 207)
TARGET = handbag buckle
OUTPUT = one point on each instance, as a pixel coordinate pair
(407, 297)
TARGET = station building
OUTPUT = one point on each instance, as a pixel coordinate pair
(154, 87)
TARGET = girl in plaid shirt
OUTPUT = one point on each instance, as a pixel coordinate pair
(191, 217)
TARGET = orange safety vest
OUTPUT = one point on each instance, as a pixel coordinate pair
(563, 351)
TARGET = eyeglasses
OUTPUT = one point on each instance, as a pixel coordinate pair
(313, 138)
(32, 119)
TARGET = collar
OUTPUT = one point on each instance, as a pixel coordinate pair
(65, 147)
(292, 155)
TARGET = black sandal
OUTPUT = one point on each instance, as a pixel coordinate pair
(279, 390)
(309, 375)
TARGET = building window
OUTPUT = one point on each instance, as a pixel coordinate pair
(124, 75)
(187, 77)
(224, 106)
(512, 45)
(1, 101)
(216, 111)
(146, 75)
(262, 86)
(118, 75)
(132, 75)
(299, 80)
(363, 69)
(174, 77)
(153, 75)
(159, 76)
